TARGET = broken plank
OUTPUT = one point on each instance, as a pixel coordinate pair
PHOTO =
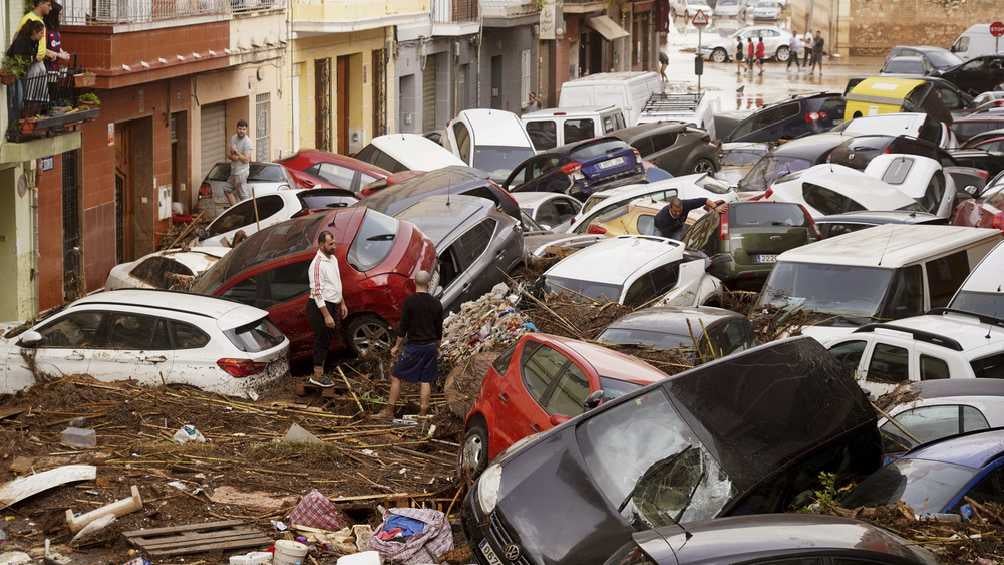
(185, 528)
(256, 542)
(191, 535)
(19, 489)
(219, 537)
(398, 496)
(12, 411)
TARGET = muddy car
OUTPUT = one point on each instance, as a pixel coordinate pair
(741, 435)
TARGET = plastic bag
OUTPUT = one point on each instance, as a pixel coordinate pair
(188, 433)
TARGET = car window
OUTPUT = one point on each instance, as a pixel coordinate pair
(569, 396)
(260, 172)
(544, 135)
(219, 172)
(608, 124)
(898, 170)
(619, 120)
(764, 214)
(990, 488)
(933, 368)
(646, 224)
(336, 175)
(644, 146)
(653, 284)
(906, 295)
(950, 98)
(256, 336)
(373, 241)
(125, 330)
(973, 419)
(790, 561)
(833, 229)
(463, 141)
(935, 192)
(76, 329)
(926, 423)
(155, 270)
(235, 217)
(945, 276)
(473, 243)
(579, 129)
(548, 213)
(541, 365)
(324, 198)
(848, 354)
(731, 336)
(828, 202)
(889, 364)
(501, 363)
(989, 367)
(663, 141)
(187, 336)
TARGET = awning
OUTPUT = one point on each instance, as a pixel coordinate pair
(607, 28)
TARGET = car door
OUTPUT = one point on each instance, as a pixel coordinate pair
(567, 397)
(193, 363)
(69, 341)
(889, 365)
(134, 345)
(524, 395)
(340, 176)
(282, 291)
(476, 269)
(666, 155)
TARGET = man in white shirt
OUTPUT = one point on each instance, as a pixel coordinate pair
(794, 46)
(325, 303)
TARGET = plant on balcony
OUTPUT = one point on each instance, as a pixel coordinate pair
(88, 99)
(14, 67)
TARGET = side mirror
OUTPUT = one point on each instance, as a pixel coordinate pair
(30, 338)
(594, 399)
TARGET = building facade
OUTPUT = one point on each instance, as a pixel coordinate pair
(508, 54)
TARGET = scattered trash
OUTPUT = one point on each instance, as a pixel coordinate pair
(363, 558)
(253, 558)
(413, 535)
(19, 489)
(289, 553)
(342, 541)
(316, 511)
(188, 433)
(115, 509)
(138, 561)
(81, 438)
(262, 500)
(297, 434)
(93, 527)
(14, 558)
(363, 533)
(279, 526)
(486, 324)
(197, 538)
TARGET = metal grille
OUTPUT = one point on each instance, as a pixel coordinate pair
(498, 533)
(39, 105)
(83, 12)
(449, 11)
(261, 128)
(243, 6)
(72, 281)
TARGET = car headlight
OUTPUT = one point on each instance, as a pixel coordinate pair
(488, 488)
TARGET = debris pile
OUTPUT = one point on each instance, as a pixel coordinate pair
(489, 323)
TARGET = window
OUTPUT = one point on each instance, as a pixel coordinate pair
(243, 214)
(463, 141)
(373, 242)
(187, 336)
(256, 336)
(848, 354)
(889, 364)
(526, 77)
(646, 225)
(135, 331)
(501, 363)
(990, 367)
(973, 419)
(664, 141)
(544, 135)
(569, 396)
(935, 192)
(76, 329)
(898, 170)
(336, 175)
(288, 281)
(945, 276)
(541, 366)
(766, 214)
(155, 270)
(652, 285)
(473, 243)
(961, 44)
(608, 124)
(262, 113)
(579, 129)
(990, 488)
(926, 423)
(826, 201)
(933, 368)
(950, 98)
(644, 146)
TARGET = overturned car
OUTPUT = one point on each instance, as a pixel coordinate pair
(746, 434)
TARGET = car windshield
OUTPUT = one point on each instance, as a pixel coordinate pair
(631, 336)
(943, 58)
(983, 303)
(768, 169)
(498, 162)
(373, 242)
(764, 214)
(650, 465)
(594, 290)
(740, 157)
(926, 486)
(846, 291)
(260, 172)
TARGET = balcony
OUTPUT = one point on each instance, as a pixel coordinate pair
(46, 105)
(509, 13)
(454, 17)
(339, 16)
(140, 14)
(583, 6)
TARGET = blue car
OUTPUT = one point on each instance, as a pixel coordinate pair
(579, 169)
(936, 477)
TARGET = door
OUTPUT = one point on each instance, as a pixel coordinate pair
(73, 284)
(68, 344)
(133, 345)
(342, 92)
(496, 82)
(213, 136)
(523, 396)
(322, 104)
(123, 194)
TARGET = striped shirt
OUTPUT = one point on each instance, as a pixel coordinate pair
(325, 280)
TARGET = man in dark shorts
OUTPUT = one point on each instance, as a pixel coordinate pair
(418, 338)
(671, 220)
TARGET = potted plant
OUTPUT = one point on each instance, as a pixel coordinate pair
(88, 100)
(13, 68)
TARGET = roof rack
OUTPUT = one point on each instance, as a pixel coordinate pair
(672, 102)
(919, 335)
(983, 318)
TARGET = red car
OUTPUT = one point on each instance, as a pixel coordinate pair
(377, 255)
(981, 212)
(539, 383)
(395, 178)
(306, 166)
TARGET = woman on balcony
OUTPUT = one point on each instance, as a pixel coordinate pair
(21, 54)
(54, 38)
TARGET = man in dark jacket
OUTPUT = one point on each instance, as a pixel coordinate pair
(670, 221)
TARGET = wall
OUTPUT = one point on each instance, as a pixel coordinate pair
(877, 25)
(509, 43)
(450, 95)
(17, 250)
(50, 239)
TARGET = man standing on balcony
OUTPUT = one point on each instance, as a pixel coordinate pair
(239, 152)
(39, 10)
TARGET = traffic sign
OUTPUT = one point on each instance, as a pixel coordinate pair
(700, 19)
(997, 29)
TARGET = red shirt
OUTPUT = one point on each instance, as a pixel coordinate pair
(760, 50)
(749, 50)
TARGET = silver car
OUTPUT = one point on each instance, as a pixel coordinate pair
(263, 178)
(767, 10)
(730, 9)
(775, 41)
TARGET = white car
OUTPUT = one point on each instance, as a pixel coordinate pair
(766, 10)
(152, 337)
(492, 141)
(689, 8)
(636, 270)
(155, 269)
(730, 9)
(263, 178)
(940, 346)
(913, 124)
(920, 178)
(983, 290)
(775, 42)
(272, 209)
(941, 408)
(407, 152)
(552, 211)
(834, 189)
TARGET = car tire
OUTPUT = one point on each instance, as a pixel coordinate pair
(473, 454)
(782, 54)
(703, 165)
(367, 332)
(719, 55)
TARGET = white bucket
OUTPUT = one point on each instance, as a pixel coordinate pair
(364, 558)
(289, 553)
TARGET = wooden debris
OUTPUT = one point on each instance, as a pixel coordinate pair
(19, 489)
(197, 538)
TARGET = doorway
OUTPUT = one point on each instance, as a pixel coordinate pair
(342, 89)
(322, 104)
(135, 205)
(73, 283)
(496, 72)
(123, 195)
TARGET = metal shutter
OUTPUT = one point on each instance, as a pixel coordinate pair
(214, 136)
(429, 95)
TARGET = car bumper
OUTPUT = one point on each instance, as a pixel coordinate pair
(583, 189)
(488, 531)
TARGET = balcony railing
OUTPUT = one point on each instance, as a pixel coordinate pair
(105, 12)
(508, 8)
(454, 11)
(45, 105)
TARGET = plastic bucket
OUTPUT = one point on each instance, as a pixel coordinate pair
(289, 553)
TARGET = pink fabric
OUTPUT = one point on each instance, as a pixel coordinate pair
(316, 511)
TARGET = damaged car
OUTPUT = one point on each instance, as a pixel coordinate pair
(164, 269)
(745, 434)
(708, 332)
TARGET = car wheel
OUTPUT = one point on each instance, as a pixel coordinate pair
(474, 451)
(368, 334)
(719, 55)
(782, 54)
(703, 166)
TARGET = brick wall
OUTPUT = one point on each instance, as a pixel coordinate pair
(877, 25)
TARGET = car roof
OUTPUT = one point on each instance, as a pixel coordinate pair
(448, 179)
(967, 331)
(534, 199)
(645, 129)
(973, 450)
(569, 111)
(416, 152)
(863, 188)
(228, 314)
(673, 319)
(921, 48)
(501, 127)
(609, 363)
(615, 260)
(568, 148)
(810, 147)
(986, 277)
(441, 215)
(879, 218)
(948, 388)
(906, 58)
(889, 246)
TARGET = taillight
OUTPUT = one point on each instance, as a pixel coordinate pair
(596, 230)
(810, 223)
(723, 225)
(815, 116)
(205, 191)
(998, 221)
(569, 168)
(241, 367)
(768, 193)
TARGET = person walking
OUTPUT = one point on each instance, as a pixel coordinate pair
(418, 338)
(817, 53)
(663, 60)
(794, 46)
(670, 222)
(739, 55)
(750, 54)
(761, 52)
(239, 151)
(326, 307)
(806, 49)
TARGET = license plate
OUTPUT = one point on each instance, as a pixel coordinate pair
(611, 163)
(765, 258)
(489, 553)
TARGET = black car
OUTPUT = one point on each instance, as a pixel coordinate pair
(777, 539)
(719, 332)
(978, 74)
(789, 158)
(677, 148)
(990, 161)
(858, 152)
(906, 65)
(448, 180)
(790, 119)
(839, 224)
(935, 57)
(579, 169)
(744, 434)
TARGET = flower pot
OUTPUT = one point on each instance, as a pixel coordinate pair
(7, 79)
(83, 79)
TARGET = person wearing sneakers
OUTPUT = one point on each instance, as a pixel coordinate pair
(325, 309)
(418, 338)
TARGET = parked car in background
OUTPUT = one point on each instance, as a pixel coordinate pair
(889, 94)
(991, 141)
(789, 119)
(825, 190)
(978, 123)
(627, 90)
(737, 159)
(476, 245)
(983, 290)
(153, 337)
(492, 141)
(974, 42)
(449, 180)
(635, 271)
(767, 10)
(162, 269)
(774, 539)
(730, 9)
(775, 41)
(990, 96)
(978, 74)
(677, 148)
(263, 178)
(847, 222)
(341, 171)
(555, 127)
(393, 180)
(579, 169)
(710, 332)
(907, 65)
(551, 211)
(263, 211)
(377, 258)
(672, 452)
(539, 382)
(407, 152)
(936, 57)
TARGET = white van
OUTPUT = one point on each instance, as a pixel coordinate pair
(976, 42)
(883, 273)
(628, 90)
(555, 127)
(492, 141)
(983, 291)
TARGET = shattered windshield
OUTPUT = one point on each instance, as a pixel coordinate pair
(649, 463)
(769, 169)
